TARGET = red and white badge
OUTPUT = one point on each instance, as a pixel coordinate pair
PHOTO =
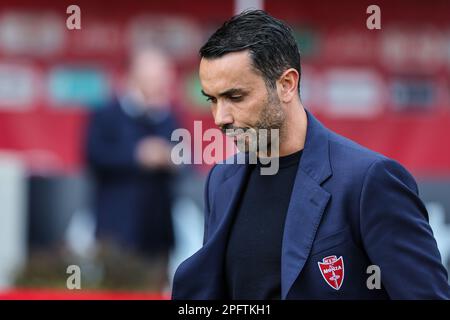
(332, 269)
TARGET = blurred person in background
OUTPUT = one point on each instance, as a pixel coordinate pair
(128, 152)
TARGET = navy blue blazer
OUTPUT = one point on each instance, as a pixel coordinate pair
(350, 208)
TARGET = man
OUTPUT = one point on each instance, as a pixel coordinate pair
(334, 208)
(128, 151)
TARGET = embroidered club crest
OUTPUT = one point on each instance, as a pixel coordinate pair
(332, 270)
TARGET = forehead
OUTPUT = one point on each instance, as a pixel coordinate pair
(232, 70)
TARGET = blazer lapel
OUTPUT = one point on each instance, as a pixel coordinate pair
(210, 258)
(307, 204)
(230, 190)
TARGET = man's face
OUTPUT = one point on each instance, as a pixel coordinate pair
(239, 96)
(151, 75)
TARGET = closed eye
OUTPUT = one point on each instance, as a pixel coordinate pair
(211, 99)
(236, 98)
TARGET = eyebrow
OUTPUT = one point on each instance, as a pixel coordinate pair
(227, 93)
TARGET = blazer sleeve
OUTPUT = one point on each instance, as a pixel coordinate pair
(397, 236)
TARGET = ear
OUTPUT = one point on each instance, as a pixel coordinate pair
(287, 85)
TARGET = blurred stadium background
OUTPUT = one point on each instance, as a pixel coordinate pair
(387, 89)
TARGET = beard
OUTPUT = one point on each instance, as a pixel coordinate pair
(267, 130)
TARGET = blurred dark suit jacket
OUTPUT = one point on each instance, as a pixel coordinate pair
(132, 205)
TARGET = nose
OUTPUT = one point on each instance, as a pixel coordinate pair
(222, 115)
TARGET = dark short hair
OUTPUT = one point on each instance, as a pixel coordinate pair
(270, 42)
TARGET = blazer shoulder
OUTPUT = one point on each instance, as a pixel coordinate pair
(348, 154)
(106, 112)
